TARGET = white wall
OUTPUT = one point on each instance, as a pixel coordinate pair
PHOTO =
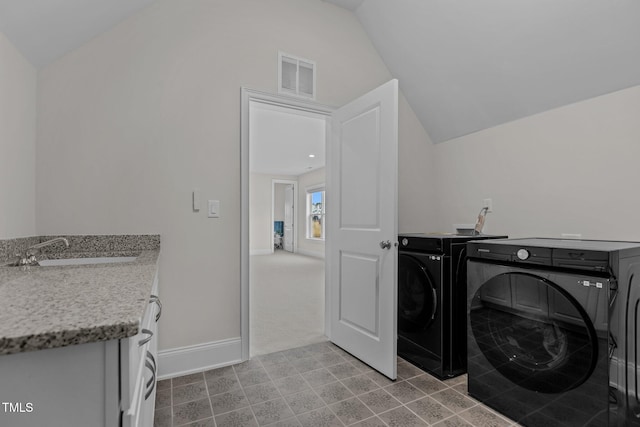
(417, 204)
(131, 122)
(308, 246)
(135, 119)
(260, 224)
(570, 170)
(18, 82)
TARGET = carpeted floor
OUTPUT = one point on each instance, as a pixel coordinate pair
(286, 302)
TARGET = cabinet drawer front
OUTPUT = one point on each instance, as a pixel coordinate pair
(135, 374)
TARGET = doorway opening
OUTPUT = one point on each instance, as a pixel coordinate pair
(283, 208)
(361, 182)
(285, 288)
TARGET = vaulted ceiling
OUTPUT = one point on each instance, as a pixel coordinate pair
(44, 30)
(463, 65)
(470, 65)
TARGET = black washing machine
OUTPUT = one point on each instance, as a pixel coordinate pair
(553, 330)
(431, 301)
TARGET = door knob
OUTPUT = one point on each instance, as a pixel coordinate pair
(385, 245)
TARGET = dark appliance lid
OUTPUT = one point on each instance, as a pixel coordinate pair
(581, 254)
(436, 242)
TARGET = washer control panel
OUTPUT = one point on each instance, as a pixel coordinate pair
(419, 243)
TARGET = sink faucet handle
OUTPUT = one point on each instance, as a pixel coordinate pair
(29, 256)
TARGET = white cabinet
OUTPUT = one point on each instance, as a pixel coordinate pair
(67, 386)
(105, 383)
(139, 356)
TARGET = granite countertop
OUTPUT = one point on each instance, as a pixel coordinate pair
(49, 307)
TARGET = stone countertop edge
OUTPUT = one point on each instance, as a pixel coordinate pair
(49, 307)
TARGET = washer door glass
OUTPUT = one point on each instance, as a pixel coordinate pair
(417, 298)
(533, 332)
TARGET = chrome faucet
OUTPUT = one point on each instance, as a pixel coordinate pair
(49, 243)
(29, 256)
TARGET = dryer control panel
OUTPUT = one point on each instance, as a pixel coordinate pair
(542, 252)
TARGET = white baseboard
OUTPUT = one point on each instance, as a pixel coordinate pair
(197, 358)
(311, 253)
(261, 252)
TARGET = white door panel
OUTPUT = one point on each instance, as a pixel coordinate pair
(360, 271)
(288, 218)
(359, 168)
(362, 213)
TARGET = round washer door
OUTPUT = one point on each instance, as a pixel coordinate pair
(417, 297)
(533, 332)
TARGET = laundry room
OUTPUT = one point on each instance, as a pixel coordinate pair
(125, 129)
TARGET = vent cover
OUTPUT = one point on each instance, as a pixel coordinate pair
(296, 76)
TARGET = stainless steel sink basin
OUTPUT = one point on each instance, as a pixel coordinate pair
(85, 261)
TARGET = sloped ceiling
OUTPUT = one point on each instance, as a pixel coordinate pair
(44, 30)
(469, 65)
(463, 65)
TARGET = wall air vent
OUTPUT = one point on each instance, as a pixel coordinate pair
(296, 76)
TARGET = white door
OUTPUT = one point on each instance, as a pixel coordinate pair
(288, 218)
(362, 227)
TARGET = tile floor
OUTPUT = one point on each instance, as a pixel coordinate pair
(317, 385)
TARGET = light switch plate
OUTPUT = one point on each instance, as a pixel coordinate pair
(214, 209)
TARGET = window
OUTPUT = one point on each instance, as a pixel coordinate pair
(315, 213)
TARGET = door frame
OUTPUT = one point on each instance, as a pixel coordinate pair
(295, 210)
(246, 96)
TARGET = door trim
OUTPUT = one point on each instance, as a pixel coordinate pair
(295, 210)
(246, 96)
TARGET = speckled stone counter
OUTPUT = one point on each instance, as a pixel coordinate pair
(48, 307)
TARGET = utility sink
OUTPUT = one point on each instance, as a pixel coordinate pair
(85, 261)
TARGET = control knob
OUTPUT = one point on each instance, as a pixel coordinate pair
(523, 254)
(405, 241)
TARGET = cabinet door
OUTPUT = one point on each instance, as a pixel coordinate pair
(140, 368)
(151, 367)
(149, 397)
(135, 418)
(66, 386)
